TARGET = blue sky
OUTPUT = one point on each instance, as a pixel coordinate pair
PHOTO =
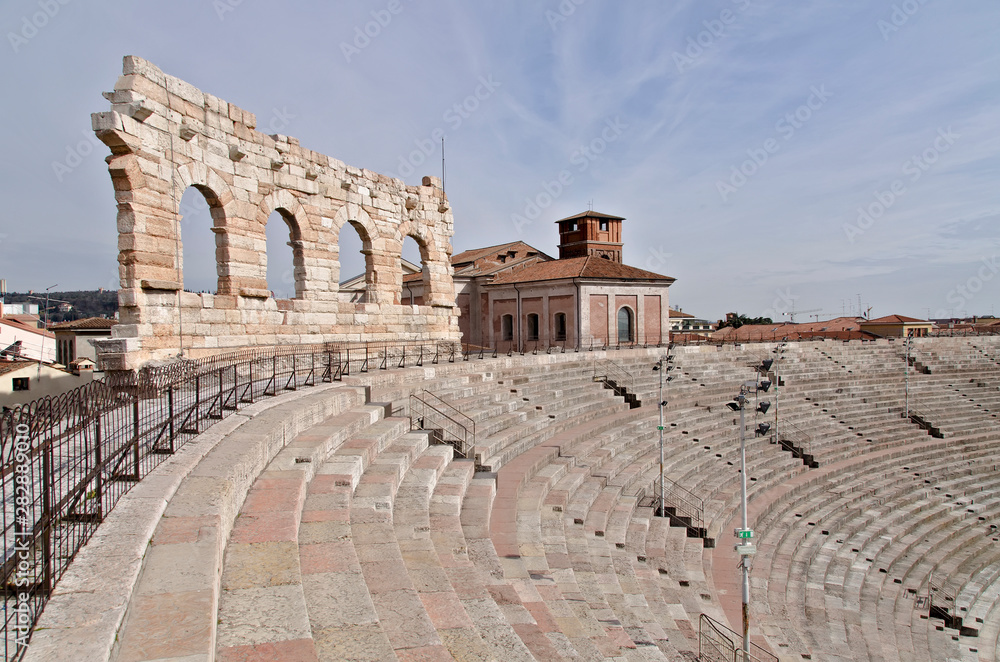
(765, 154)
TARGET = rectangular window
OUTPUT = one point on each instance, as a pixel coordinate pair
(20, 383)
(604, 225)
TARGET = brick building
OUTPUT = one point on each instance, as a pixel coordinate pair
(515, 296)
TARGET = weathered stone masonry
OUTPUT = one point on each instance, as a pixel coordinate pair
(166, 135)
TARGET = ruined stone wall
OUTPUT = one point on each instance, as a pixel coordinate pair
(165, 135)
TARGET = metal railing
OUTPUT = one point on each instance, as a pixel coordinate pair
(65, 461)
(608, 369)
(447, 424)
(797, 442)
(685, 504)
(717, 643)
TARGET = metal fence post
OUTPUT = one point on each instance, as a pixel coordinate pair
(48, 489)
(135, 434)
(170, 414)
(99, 469)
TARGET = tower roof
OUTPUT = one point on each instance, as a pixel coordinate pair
(591, 214)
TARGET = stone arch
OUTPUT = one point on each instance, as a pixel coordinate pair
(435, 261)
(366, 229)
(425, 244)
(221, 203)
(299, 229)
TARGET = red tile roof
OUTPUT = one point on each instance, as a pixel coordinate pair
(11, 366)
(579, 267)
(591, 214)
(26, 327)
(86, 323)
(895, 319)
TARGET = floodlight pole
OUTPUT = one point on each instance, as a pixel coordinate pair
(746, 526)
(906, 378)
(663, 368)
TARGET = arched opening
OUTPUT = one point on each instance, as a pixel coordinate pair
(507, 327)
(559, 326)
(532, 326)
(197, 215)
(356, 273)
(413, 265)
(626, 325)
(284, 256)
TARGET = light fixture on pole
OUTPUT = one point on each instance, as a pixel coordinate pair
(745, 534)
(662, 366)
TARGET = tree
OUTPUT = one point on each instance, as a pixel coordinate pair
(736, 320)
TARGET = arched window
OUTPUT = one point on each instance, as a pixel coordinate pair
(355, 264)
(284, 256)
(626, 326)
(507, 327)
(413, 266)
(532, 326)
(199, 245)
(559, 322)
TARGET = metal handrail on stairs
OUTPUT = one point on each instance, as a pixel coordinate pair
(606, 369)
(447, 424)
(717, 643)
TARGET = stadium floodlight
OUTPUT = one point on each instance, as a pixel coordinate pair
(662, 366)
(763, 386)
(762, 429)
(763, 406)
(766, 365)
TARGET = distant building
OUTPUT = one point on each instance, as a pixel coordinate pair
(354, 289)
(24, 381)
(474, 269)
(838, 328)
(514, 296)
(22, 340)
(73, 339)
(898, 326)
(20, 309)
(681, 322)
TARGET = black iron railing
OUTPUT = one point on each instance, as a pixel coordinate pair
(65, 461)
(717, 643)
(447, 424)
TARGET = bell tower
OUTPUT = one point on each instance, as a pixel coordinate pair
(591, 233)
